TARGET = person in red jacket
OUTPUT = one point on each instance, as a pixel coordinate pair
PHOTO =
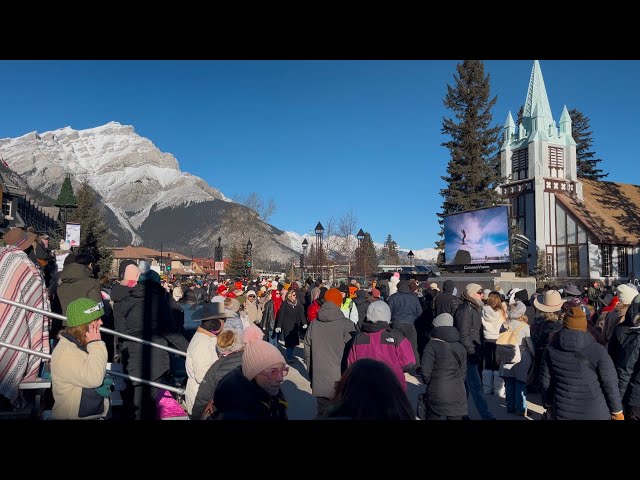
(312, 313)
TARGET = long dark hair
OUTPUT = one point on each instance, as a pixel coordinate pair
(369, 390)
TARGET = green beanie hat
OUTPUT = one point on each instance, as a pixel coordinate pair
(83, 311)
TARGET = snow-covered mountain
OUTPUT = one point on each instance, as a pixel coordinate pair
(128, 171)
(143, 187)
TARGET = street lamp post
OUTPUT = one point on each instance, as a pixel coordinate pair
(319, 230)
(218, 256)
(360, 237)
(411, 257)
(305, 245)
(248, 264)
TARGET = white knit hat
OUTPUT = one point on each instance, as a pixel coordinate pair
(626, 293)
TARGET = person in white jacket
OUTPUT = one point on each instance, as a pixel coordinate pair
(493, 316)
(201, 353)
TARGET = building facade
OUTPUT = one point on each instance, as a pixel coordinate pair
(586, 229)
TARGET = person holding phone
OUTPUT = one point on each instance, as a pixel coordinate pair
(78, 365)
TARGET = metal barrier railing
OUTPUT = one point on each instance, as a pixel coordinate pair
(102, 329)
(179, 391)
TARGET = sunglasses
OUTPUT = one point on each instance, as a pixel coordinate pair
(272, 373)
(252, 296)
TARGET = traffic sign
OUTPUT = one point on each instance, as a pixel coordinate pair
(219, 265)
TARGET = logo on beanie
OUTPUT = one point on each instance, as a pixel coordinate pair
(99, 306)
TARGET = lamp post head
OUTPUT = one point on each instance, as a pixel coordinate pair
(249, 244)
(360, 235)
(410, 254)
(219, 241)
(319, 229)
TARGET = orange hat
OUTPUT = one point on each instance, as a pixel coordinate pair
(334, 296)
(352, 292)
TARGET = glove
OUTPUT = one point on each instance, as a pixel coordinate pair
(617, 416)
(104, 390)
(304, 327)
(278, 330)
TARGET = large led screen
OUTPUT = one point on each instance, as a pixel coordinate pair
(477, 236)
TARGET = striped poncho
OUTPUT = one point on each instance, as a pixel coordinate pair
(21, 282)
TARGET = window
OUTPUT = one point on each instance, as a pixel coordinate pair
(550, 265)
(6, 207)
(556, 160)
(622, 261)
(574, 261)
(605, 251)
(520, 164)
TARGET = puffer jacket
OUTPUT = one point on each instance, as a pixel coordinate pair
(577, 389)
(624, 348)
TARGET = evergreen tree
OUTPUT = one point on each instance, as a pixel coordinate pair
(366, 257)
(66, 197)
(541, 272)
(94, 233)
(519, 117)
(583, 136)
(236, 267)
(390, 252)
(472, 173)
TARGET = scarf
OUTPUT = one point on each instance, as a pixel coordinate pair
(277, 301)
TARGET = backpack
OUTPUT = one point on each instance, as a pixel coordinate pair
(508, 346)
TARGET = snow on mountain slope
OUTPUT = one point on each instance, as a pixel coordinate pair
(127, 170)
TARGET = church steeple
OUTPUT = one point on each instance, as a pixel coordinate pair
(509, 129)
(537, 96)
(565, 121)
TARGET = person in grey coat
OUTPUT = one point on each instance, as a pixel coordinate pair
(326, 347)
(579, 381)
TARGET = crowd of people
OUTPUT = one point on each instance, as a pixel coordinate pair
(578, 347)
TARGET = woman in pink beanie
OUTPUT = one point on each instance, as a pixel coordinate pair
(252, 390)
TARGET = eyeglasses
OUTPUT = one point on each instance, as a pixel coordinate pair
(480, 292)
(252, 296)
(272, 373)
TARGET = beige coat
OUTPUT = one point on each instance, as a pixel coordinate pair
(254, 311)
(72, 369)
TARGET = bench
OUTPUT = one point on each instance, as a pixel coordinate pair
(40, 385)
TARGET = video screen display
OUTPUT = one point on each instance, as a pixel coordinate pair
(477, 236)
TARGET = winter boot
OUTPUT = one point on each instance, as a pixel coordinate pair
(498, 385)
(487, 382)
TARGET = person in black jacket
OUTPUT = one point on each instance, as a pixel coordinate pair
(468, 321)
(579, 381)
(446, 302)
(291, 321)
(147, 316)
(624, 349)
(444, 369)
(252, 391)
(230, 346)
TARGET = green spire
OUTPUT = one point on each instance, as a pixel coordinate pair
(66, 197)
(537, 96)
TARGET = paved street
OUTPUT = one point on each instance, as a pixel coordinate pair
(302, 405)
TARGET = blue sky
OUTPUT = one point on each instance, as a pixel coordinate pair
(320, 137)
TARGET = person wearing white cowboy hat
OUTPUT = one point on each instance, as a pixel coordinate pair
(550, 301)
(202, 353)
(548, 321)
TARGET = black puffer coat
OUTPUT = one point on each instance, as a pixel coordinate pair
(624, 348)
(579, 390)
(444, 369)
